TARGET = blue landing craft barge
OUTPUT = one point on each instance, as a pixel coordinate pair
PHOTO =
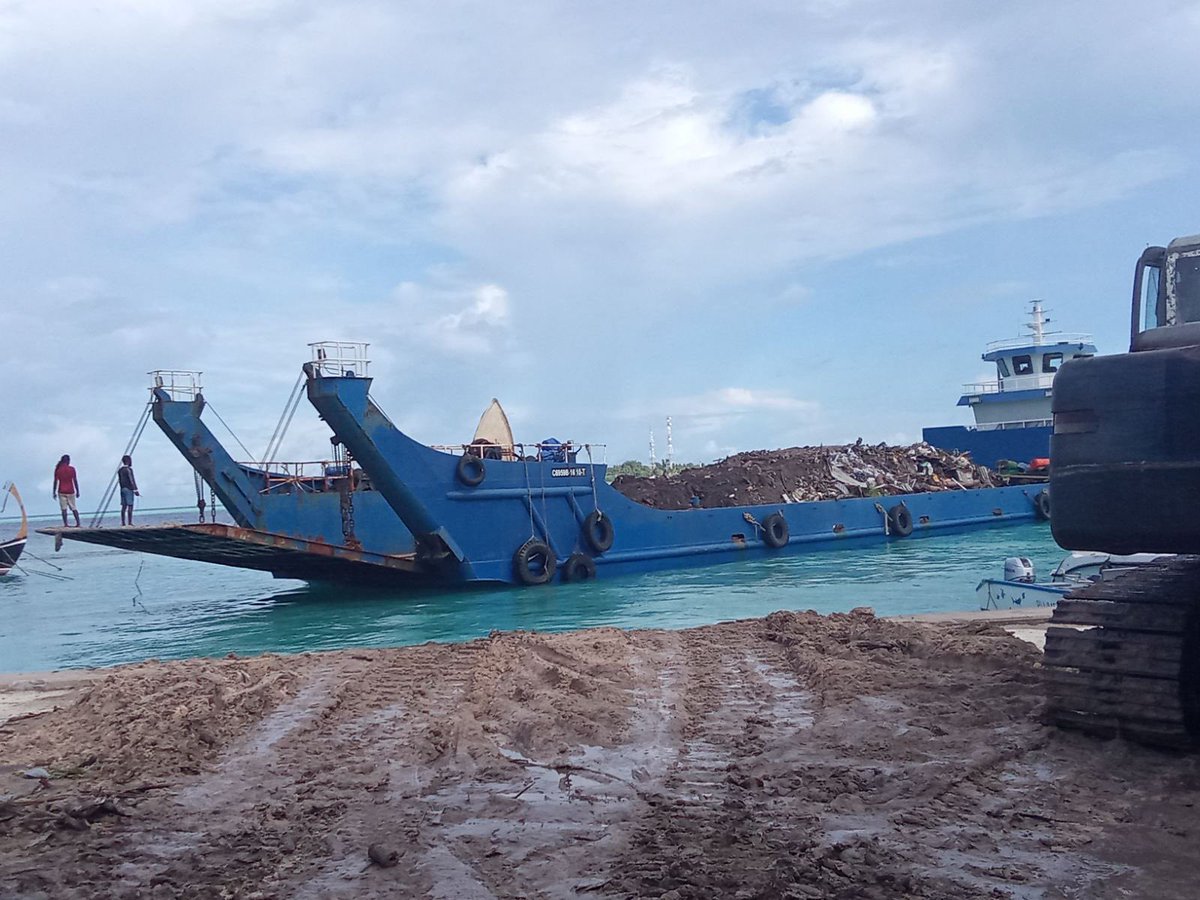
(492, 514)
(1012, 413)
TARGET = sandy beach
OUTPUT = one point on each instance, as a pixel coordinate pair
(791, 756)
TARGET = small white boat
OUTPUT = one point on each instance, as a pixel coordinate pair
(1083, 566)
(1020, 587)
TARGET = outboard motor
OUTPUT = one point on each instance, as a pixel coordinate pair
(1019, 568)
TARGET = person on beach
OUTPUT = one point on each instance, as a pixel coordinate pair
(66, 488)
(129, 489)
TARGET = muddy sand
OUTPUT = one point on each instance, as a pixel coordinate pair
(791, 756)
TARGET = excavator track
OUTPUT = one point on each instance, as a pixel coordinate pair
(1123, 656)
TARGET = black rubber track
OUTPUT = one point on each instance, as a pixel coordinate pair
(1123, 656)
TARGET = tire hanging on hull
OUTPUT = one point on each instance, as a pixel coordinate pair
(775, 531)
(579, 567)
(598, 531)
(534, 562)
(900, 521)
(470, 470)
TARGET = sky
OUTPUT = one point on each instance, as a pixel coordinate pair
(779, 223)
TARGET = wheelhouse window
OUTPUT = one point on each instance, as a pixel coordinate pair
(1153, 312)
(1051, 362)
(1023, 365)
(1002, 367)
(1187, 288)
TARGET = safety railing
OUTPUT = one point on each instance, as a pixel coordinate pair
(1012, 383)
(180, 384)
(340, 359)
(308, 475)
(1020, 423)
(544, 451)
(1048, 339)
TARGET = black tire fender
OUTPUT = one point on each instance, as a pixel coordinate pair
(1041, 505)
(534, 562)
(598, 531)
(471, 470)
(579, 567)
(900, 520)
(775, 531)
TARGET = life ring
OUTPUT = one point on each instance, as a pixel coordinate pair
(775, 532)
(1041, 505)
(579, 567)
(534, 562)
(598, 531)
(471, 471)
(900, 520)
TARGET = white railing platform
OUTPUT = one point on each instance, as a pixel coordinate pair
(180, 384)
(340, 359)
(1012, 383)
(1003, 426)
(1047, 342)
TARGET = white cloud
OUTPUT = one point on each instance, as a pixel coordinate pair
(725, 410)
(664, 141)
(647, 198)
(465, 321)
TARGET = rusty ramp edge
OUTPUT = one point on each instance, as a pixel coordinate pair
(248, 548)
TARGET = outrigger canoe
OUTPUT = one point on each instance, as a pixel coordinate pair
(11, 549)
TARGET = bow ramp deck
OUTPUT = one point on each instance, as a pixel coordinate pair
(247, 548)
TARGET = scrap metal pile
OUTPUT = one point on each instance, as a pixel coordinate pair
(801, 474)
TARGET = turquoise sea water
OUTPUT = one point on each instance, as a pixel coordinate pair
(121, 607)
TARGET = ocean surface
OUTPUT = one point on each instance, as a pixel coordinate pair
(93, 606)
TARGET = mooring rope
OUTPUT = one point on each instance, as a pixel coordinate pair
(284, 423)
(592, 471)
(249, 455)
(542, 481)
(137, 598)
(111, 490)
(528, 492)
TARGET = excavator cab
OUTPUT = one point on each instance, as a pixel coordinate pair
(1123, 656)
(1125, 453)
(1166, 297)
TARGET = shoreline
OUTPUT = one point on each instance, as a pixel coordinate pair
(1033, 616)
(28, 694)
(789, 755)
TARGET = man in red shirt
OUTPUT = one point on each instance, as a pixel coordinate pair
(66, 488)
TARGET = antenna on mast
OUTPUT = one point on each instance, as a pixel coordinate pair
(670, 446)
(1038, 325)
(653, 458)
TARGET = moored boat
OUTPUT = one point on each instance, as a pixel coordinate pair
(1012, 413)
(12, 548)
(534, 519)
(1020, 587)
(393, 511)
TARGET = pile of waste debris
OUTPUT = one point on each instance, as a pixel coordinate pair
(801, 474)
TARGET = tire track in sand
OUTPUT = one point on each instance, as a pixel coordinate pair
(700, 834)
(728, 820)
